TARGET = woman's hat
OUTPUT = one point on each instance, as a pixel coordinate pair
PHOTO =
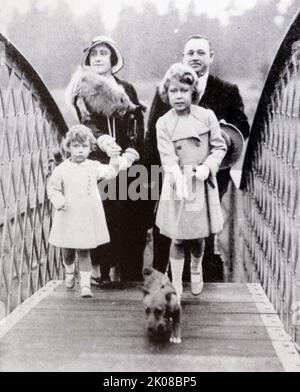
(101, 39)
(235, 143)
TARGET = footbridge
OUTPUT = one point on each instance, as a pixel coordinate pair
(249, 324)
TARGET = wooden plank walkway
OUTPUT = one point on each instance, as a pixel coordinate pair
(229, 327)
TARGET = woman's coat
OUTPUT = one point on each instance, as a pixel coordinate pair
(126, 219)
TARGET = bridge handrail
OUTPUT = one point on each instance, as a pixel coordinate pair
(276, 69)
(271, 185)
(30, 126)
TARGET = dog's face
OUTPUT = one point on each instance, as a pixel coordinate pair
(161, 306)
(156, 305)
(124, 104)
(102, 96)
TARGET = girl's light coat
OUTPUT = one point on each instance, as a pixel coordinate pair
(183, 143)
(82, 225)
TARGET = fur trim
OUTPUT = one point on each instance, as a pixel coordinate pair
(99, 94)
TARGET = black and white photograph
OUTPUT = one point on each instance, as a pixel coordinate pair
(149, 189)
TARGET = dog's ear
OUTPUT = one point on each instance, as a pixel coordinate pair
(144, 289)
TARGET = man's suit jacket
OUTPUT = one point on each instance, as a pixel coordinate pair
(220, 96)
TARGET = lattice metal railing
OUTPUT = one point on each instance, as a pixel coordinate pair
(271, 181)
(30, 126)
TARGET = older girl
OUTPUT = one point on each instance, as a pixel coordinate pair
(79, 222)
(191, 150)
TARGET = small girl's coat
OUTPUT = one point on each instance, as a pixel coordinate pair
(82, 225)
(190, 140)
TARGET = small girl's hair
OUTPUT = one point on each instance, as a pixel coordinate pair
(79, 133)
(183, 74)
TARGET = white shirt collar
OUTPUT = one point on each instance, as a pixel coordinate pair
(205, 76)
(202, 82)
(74, 164)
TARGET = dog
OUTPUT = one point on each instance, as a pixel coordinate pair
(162, 307)
(94, 93)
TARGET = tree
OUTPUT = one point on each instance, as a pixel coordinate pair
(51, 41)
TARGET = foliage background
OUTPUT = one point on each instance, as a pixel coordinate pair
(52, 39)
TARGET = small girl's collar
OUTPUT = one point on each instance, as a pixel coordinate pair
(74, 164)
(192, 110)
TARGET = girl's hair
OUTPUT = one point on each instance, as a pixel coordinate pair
(183, 74)
(79, 133)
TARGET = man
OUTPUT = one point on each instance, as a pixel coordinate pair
(225, 100)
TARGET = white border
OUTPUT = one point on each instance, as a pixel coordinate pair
(282, 341)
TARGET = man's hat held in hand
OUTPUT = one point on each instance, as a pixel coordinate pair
(235, 143)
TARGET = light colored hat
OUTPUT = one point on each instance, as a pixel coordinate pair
(235, 147)
(101, 39)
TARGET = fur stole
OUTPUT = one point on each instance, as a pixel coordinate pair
(99, 94)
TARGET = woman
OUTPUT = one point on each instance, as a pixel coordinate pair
(110, 107)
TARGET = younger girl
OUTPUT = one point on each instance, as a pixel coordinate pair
(79, 222)
(191, 150)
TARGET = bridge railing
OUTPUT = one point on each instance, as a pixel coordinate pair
(30, 126)
(271, 184)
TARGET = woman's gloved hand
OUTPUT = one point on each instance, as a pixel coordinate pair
(123, 163)
(131, 155)
(108, 144)
(202, 172)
